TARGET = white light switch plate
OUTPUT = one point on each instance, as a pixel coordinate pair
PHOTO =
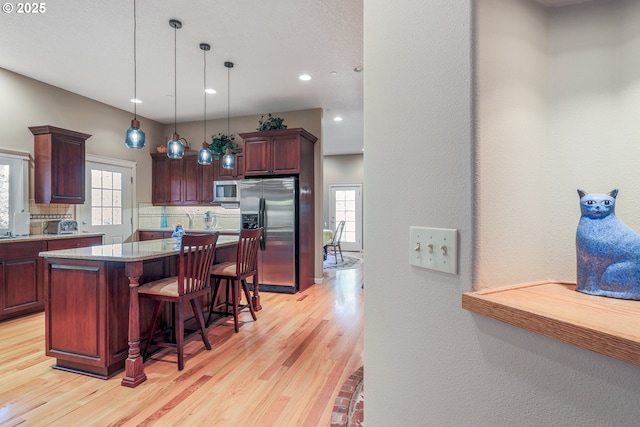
(434, 248)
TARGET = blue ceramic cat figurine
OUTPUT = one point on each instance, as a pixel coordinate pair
(608, 251)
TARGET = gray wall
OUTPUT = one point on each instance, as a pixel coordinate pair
(26, 102)
(428, 361)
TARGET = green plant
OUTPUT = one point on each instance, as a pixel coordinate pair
(220, 143)
(272, 123)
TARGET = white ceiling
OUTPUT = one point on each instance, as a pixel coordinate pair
(86, 47)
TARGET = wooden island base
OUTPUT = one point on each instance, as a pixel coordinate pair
(93, 318)
(87, 313)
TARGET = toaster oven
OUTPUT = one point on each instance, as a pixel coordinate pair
(61, 226)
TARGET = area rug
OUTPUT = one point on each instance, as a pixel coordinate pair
(349, 263)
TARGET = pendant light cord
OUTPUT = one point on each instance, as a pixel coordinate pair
(175, 79)
(135, 67)
(228, 99)
(204, 53)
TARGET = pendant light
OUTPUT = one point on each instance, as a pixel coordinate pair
(205, 156)
(228, 160)
(175, 148)
(134, 138)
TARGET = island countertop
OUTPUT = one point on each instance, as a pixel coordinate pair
(131, 251)
(37, 237)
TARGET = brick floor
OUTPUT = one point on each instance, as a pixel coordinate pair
(348, 409)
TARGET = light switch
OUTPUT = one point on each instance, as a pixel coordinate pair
(434, 248)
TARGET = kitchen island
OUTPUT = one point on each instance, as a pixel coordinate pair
(93, 316)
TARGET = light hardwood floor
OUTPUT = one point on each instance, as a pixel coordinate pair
(286, 369)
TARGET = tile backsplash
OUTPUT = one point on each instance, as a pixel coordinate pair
(149, 216)
(191, 217)
(41, 213)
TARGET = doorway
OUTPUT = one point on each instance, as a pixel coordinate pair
(346, 205)
(109, 196)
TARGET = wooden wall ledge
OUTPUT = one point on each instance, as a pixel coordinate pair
(608, 326)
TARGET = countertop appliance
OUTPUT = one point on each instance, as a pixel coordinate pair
(226, 191)
(61, 226)
(21, 223)
(272, 203)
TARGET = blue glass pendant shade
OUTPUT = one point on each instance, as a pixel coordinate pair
(228, 160)
(175, 148)
(205, 156)
(135, 137)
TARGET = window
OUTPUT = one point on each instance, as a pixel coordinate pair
(13, 170)
(106, 197)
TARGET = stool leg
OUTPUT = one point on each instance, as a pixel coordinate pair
(179, 329)
(152, 327)
(216, 288)
(197, 310)
(245, 288)
(234, 297)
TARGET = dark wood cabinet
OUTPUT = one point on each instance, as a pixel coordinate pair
(181, 181)
(204, 184)
(166, 180)
(21, 290)
(144, 235)
(59, 165)
(277, 152)
(222, 174)
(73, 243)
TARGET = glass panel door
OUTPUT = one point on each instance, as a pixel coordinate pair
(108, 206)
(346, 205)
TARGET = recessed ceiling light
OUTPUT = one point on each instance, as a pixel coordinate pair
(210, 91)
(357, 69)
(305, 77)
(334, 73)
(136, 101)
(337, 119)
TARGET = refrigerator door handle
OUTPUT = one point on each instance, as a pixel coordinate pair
(262, 219)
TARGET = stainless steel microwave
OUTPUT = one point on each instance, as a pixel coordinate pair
(226, 191)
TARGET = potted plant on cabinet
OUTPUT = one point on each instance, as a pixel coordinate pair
(272, 123)
(220, 143)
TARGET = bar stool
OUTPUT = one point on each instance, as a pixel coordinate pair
(335, 243)
(194, 267)
(235, 274)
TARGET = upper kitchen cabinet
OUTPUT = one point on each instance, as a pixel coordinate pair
(182, 182)
(222, 174)
(59, 165)
(277, 152)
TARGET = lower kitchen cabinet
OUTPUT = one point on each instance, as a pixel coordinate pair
(153, 235)
(21, 291)
(21, 288)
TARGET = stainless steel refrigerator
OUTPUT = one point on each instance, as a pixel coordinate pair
(272, 203)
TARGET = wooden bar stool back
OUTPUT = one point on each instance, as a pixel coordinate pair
(235, 274)
(194, 267)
